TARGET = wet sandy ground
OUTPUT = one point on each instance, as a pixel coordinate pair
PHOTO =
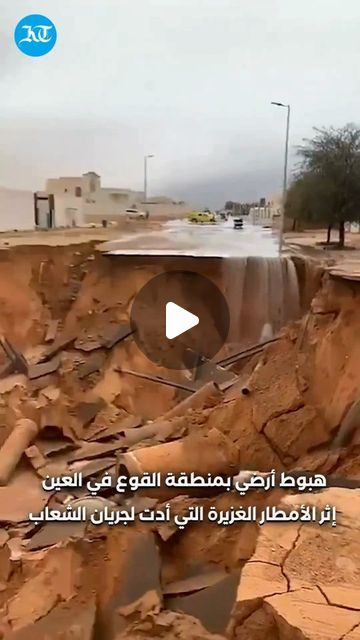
(308, 242)
(344, 262)
(65, 237)
(178, 237)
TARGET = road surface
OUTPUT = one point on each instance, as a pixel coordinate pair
(180, 237)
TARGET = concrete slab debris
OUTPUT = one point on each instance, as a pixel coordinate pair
(107, 336)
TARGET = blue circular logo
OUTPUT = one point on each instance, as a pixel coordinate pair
(35, 35)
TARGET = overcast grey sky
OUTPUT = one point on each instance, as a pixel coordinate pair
(188, 80)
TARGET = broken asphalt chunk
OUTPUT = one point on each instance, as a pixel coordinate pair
(61, 343)
(93, 364)
(39, 370)
(212, 605)
(94, 449)
(107, 337)
(114, 334)
(54, 532)
(201, 580)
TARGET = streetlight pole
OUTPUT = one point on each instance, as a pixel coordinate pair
(282, 223)
(145, 175)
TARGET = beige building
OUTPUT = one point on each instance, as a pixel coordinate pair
(270, 214)
(70, 194)
(82, 200)
(162, 207)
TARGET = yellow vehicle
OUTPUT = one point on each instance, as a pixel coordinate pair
(201, 217)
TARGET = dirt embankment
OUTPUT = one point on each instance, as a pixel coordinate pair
(304, 386)
(206, 581)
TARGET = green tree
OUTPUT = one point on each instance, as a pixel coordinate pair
(309, 199)
(327, 185)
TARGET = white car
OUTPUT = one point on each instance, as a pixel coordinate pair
(135, 214)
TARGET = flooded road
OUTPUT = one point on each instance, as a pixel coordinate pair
(179, 237)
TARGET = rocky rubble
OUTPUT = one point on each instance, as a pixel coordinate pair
(74, 580)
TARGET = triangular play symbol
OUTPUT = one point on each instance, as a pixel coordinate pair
(178, 320)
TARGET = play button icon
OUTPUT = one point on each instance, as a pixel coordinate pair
(178, 320)
(178, 316)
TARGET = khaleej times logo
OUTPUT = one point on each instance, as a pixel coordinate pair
(35, 35)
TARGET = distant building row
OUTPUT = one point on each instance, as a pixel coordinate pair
(267, 213)
(76, 202)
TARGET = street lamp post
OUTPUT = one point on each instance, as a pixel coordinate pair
(145, 175)
(282, 223)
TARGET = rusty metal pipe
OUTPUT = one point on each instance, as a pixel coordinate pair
(205, 396)
(160, 428)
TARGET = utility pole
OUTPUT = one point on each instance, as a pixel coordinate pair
(145, 175)
(282, 222)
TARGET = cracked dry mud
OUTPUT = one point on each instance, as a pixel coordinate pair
(302, 581)
(244, 582)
